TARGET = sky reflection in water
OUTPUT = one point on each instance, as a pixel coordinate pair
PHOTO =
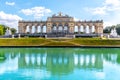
(59, 64)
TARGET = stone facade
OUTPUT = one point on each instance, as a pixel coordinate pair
(61, 23)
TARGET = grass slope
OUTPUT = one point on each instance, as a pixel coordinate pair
(59, 42)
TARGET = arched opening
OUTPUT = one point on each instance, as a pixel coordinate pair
(76, 29)
(44, 29)
(27, 29)
(93, 29)
(60, 29)
(66, 28)
(55, 28)
(87, 29)
(36, 29)
(33, 29)
(39, 29)
(81, 29)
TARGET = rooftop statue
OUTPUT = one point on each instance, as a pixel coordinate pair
(60, 14)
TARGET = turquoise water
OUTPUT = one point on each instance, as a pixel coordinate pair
(59, 63)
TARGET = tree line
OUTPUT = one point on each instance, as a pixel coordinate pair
(109, 28)
(3, 29)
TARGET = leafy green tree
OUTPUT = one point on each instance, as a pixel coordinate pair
(107, 29)
(118, 28)
(1, 30)
(13, 30)
(4, 28)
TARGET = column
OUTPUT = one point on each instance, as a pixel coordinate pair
(30, 29)
(19, 29)
(49, 29)
(41, 29)
(100, 29)
(96, 29)
(52, 29)
(57, 26)
(67, 30)
(24, 29)
(79, 29)
(62, 28)
(36, 29)
(90, 29)
(84, 29)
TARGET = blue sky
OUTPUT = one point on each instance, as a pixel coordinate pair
(13, 10)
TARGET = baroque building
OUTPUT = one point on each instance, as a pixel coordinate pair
(61, 24)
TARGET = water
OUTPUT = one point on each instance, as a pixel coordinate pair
(59, 64)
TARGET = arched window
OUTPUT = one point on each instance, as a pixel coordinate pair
(60, 28)
(65, 28)
(54, 28)
(27, 29)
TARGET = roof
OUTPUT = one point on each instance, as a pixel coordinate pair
(60, 17)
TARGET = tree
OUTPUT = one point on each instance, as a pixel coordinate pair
(118, 28)
(4, 28)
(1, 30)
(107, 29)
(13, 30)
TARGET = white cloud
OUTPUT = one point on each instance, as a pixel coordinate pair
(36, 12)
(108, 6)
(107, 24)
(109, 11)
(9, 19)
(97, 10)
(112, 3)
(10, 3)
(76, 19)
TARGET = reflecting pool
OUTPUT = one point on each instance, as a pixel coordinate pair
(59, 63)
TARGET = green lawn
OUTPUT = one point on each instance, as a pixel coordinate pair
(58, 42)
(95, 41)
(23, 42)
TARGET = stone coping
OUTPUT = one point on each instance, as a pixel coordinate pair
(59, 46)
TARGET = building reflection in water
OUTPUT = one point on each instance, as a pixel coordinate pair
(57, 63)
